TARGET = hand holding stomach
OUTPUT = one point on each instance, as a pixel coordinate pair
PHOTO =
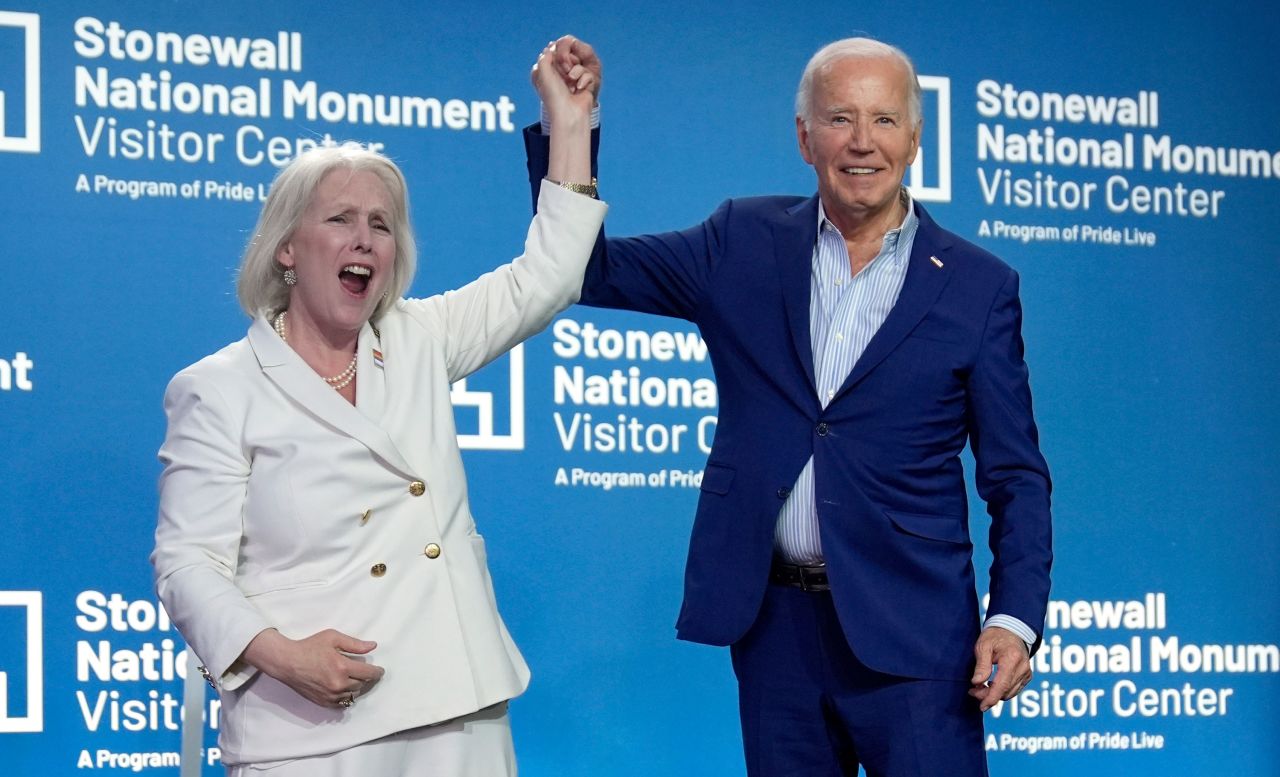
(320, 668)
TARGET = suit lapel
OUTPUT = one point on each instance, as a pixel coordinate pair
(286, 369)
(927, 274)
(793, 239)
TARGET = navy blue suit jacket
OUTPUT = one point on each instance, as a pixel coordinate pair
(945, 368)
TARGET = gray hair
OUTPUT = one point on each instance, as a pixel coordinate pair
(260, 284)
(855, 48)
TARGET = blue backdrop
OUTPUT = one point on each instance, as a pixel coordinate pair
(1142, 162)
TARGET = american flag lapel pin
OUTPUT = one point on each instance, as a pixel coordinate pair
(377, 358)
(936, 260)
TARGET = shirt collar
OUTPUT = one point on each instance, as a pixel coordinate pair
(908, 226)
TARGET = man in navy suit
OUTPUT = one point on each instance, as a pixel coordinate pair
(857, 347)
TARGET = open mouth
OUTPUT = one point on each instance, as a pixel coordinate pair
(860, 170)
(355, 278)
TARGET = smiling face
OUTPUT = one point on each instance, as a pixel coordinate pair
(860, 140)
(342, 250)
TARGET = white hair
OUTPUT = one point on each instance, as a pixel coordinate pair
(855, 48)
(260, 284)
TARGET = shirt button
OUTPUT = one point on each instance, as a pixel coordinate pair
(417, 488)
(823, 429)
(432, 551)
(378, 570)
(831, 393)
(784, 492)
(839, 337)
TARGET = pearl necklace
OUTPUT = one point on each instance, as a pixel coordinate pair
(339, 381)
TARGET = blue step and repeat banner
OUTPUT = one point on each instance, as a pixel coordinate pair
(1126, 160)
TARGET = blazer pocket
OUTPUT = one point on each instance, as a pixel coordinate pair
(299, 610)
(938, 332)
(716, 479)
(253, 593)
(933, 335)
(944, 528)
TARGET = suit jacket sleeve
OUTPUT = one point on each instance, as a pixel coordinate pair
(665, 274)
(1012, 476)
(202, 492)
(486, 318)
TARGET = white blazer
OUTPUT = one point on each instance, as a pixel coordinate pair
(282, 505)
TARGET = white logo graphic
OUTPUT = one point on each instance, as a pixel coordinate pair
(33, 720)
(485, 437)
(930, 177)
(29, 140)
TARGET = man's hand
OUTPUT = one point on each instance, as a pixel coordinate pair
(566, 88)
(1008, 653)
(320, 668)
(578, 65)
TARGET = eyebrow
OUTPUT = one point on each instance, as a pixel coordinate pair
(348, 206)
(874, 111)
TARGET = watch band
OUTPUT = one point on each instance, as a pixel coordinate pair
(589, 189)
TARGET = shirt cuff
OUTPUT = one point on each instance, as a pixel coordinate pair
(1010, 623)
(545, 119)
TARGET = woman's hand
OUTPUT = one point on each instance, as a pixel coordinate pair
(319, 668)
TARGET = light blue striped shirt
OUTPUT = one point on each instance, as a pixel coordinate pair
(845, 312)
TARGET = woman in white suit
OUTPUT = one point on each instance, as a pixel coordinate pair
(314, 542)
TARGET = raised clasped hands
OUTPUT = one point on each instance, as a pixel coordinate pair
(567, 77)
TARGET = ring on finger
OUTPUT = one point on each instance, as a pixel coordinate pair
(348, 701)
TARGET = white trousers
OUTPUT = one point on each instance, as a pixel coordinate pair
(475, 745)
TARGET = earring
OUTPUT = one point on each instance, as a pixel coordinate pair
(290, 277)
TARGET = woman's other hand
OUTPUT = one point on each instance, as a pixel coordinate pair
(320, 668)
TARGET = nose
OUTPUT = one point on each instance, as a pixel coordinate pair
(859, 136)
(362, 240)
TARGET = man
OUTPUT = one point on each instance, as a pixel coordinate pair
(857, 347)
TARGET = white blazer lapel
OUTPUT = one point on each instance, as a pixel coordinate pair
(286, 369)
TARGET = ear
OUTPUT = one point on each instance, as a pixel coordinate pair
(284, 254)
(802, 137)
(915, 140)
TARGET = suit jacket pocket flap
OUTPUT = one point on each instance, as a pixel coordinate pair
(939, 331)
(946, 528)
(717, 479)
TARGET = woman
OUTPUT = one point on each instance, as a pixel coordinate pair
(314, 543)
